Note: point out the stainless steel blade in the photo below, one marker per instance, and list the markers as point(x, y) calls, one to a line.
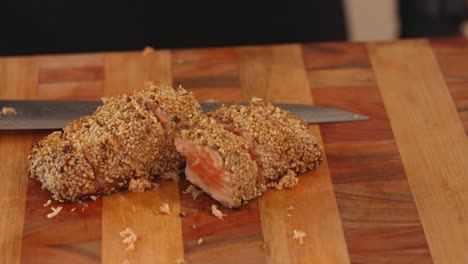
point(57, 114)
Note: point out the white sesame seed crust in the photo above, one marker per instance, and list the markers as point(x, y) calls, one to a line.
point(127, 137)
point(206, 132)
point(281, 143)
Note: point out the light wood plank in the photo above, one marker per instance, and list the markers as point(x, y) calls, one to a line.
point(160, 236)
point(431, 140)
point(18, 78)
point(277, 74)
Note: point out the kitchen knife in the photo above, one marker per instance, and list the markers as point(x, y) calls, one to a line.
point(32, 114)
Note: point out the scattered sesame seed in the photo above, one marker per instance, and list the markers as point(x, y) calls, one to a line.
point(216, 212)
point(164, 208)
point(55, 212)
point(47, 203)
point(8, 111)
point(129, 237)
point(299, 235)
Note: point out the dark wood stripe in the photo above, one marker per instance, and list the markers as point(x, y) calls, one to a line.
point(450, 54)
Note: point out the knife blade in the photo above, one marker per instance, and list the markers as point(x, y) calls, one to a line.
point(32, 114)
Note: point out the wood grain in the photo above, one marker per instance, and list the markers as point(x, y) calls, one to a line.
point(63, 77)
point(239, 238)
point(277, 74)
point(431, 140)
point(68, 236)
point(17, 81)
point(160, 237)
point(379, 215)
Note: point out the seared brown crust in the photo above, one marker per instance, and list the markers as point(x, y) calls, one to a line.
point(123, 139)
point(206, 132)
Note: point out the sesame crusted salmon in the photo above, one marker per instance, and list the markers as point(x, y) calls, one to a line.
point(128, 137)
point(218, 161)
point(234, 153)
point(281, 144)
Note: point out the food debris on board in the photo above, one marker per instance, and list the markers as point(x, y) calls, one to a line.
point(129, 237)
point(164, 208)
point(290, 208)
point(55, 212)
point(139, 185)
point(194, 191)
point(171, 175)
point(181, 261)
point(216, 212)
point(8, 111)
point(299, 235)
point(200, 240)
point(47, 203)
point(134, 208)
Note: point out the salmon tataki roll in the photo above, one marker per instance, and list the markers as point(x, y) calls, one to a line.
point(219, 162)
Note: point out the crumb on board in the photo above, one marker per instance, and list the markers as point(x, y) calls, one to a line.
point(134, 208)
point(147, 51)
point(194, 226)
point(47, 203)
point(171, 175)
point(299, 235)
point(182, 214)
point(55, 212)
point(290, 208)
point(93, 197)
point(200, 240)
point(181, 261)
point(287, 181)
point(129, 237)
point(194, 191)
point(82, 209)
point(139, 185)
point(164, 208)
point(211, 100)
point(73, 209)
point(216, 212)
point(8, 111)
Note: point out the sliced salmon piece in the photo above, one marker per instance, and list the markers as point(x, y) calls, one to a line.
point(265, 140)
point(218, 162)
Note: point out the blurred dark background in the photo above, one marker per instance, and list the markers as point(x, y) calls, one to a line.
point(52, 26)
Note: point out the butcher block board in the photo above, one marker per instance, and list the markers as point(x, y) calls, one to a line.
point(392, 189)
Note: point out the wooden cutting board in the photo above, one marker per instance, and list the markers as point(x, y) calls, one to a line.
point(392, 189)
